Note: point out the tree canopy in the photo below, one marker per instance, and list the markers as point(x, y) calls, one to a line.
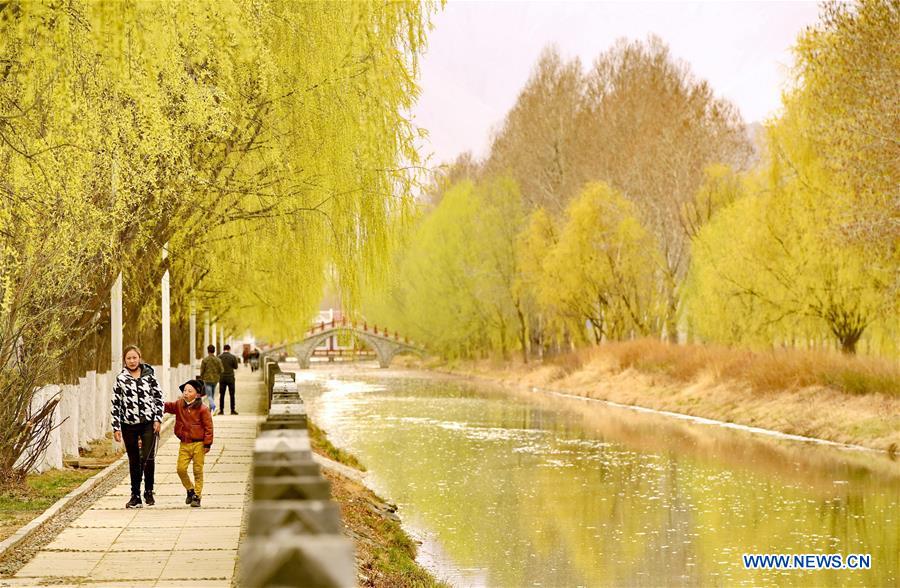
point(265, 142)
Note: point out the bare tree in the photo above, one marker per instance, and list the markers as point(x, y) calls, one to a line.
point(538, 142)
point(464, 167)
point(652, 128)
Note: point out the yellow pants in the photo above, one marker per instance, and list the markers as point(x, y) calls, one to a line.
point(186, 453)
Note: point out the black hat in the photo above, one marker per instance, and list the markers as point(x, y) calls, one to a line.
point(196, 385)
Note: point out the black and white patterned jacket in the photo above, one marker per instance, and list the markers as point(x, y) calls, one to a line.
point(136, 400)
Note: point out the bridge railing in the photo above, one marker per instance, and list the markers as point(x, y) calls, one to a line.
point(322, 326)
point(294, 528)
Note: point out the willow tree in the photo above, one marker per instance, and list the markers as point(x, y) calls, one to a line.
point(499, 222)
point(602, 272)
point(535, 241)
point(301, 186)
point(846, 77)
point(456, 284)
point(434, 294)
point(262, 141)
point(768, 268)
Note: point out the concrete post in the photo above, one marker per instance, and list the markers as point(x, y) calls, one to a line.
point(320, 560)
point(297, 517)
point(165, 380)
point(68, 410)
point(89, 425)
point(215, 337)
point(115, 303)
point(205, 333)
point(115, 306)
point(193, 338)
point(52, 458)
point(103, 402)
point(116, 325)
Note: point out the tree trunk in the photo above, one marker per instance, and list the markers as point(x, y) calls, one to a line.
point(523, 334)
point(848, 343)
point(672, 314)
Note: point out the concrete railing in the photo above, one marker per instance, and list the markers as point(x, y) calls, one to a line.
point(83, 412)
point(294, 528)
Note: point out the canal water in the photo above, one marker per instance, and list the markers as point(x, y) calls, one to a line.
point(525, 489)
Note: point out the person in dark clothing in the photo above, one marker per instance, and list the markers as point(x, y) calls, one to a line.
point(226, 380)
point(137, 412)
point(210, 372)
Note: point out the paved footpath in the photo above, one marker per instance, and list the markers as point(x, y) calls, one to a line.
point(170, 544)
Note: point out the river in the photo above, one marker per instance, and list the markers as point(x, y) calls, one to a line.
point(525, 489)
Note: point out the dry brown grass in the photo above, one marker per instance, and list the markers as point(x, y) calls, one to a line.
point(764, 371)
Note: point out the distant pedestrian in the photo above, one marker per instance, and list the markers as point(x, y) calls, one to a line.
point(137, 411)
point(229, 364)
point(245, 354)
point(210, 372)
point(194, 428)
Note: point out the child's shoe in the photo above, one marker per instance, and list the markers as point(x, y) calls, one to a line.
point(190, 496)
point(135, 502)
point(195, 501)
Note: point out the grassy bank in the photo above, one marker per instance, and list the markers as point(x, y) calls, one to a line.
point(825, 395)
point(386, 555)
point(22, 503)
point(323, 446)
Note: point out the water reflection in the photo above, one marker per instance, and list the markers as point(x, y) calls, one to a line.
point(530, 490)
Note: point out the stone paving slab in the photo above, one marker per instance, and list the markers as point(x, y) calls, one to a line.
point(115, 518)
point(131, 565)
point(225, 468)
point(85, 539)
point(210, 501)
point(213, 538)
point(170, 544)
point(67, 564)
point(210, 478)
point(143, 539)
point(201, 564)
point(155, 519)
point(178, 490)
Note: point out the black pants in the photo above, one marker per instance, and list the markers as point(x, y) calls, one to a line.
point(137, 458)
point(226, 385)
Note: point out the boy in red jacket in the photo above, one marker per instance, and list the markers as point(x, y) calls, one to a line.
point(194, 427)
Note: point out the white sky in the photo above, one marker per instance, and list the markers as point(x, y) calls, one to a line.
point(480, 54)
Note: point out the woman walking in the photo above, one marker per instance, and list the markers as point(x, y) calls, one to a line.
point(137, 411)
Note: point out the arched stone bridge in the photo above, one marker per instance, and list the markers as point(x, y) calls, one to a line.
point(385, 345)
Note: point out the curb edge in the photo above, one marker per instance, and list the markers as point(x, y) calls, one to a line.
point(28, 528)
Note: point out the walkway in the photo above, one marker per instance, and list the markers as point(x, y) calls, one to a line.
point(170, 544)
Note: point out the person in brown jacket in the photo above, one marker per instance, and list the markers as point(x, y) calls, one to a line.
point(194, 428)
